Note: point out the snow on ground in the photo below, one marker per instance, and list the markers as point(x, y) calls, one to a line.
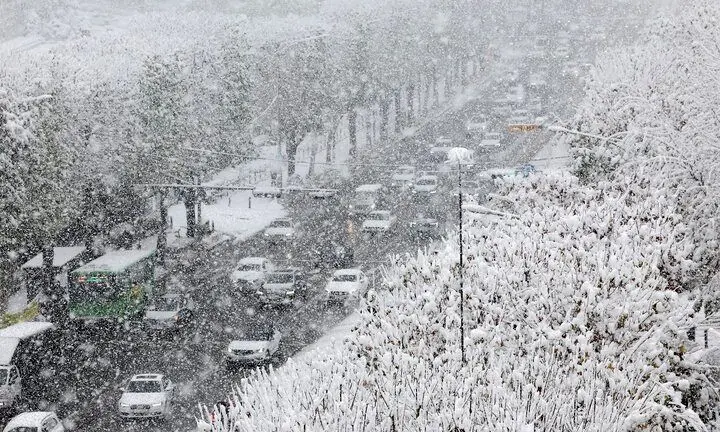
point(330, 341)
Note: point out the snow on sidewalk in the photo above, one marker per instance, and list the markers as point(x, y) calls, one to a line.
point(330, 341)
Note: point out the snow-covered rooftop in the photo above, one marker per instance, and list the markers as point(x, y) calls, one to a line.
point(116, 261)
point(25, 329)
point(61, 256)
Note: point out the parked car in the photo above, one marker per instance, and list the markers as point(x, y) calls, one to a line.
point(35, 421)
point(346, 284)
point(173, 311)
point(250, 273)
point(267, 191)
point(147, 396)
point(379, 221)
point(280, 229)
point(282, 286)
point(257, 345)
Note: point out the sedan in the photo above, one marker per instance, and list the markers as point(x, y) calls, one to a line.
point(258, 345)
point(147, 396)
point(379, 221)
point(280, 229)
point(172, 311)
point(346, 284)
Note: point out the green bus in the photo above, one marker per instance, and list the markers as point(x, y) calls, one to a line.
point(115, 286)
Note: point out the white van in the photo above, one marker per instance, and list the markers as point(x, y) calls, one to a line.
point(24, 347)
point(366, 198)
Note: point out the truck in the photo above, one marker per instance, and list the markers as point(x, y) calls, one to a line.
point(26, 350)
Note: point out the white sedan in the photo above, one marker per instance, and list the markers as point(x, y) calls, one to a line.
point(379, 221)
point(146, 396)
point(257, 345)
point(280, 229)
point(345, 284)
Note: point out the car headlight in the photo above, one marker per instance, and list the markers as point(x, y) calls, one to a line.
point(155, 405)
point(289, 293)
point(124, 405)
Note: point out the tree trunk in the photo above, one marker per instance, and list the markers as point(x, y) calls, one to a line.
point(190, 212)
point(291, 148)
point(352, 131)
point(410, 102)
point(384, 118)
point(330, 147)
point(463, 72)
point(448, 83)
point(398, 110)
point(436, 92)
point(162, 233)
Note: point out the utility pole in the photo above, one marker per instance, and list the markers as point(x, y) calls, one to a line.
point(162, 230)
point(462, 294)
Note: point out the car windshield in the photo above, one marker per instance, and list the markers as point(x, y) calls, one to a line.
point(405, 170)
point(250, 267)
point(258, 333)
point(279, 278)
point(24, 429)
point(426, 182)
point(378, 216)
point(166, 303)
point(144, 387)
point(281, 224)
point(345, 278)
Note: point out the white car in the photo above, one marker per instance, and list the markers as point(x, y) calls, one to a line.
point(378, 221)
point(250, 273)
point(35, 421)
point(257, 345)
point(403, 177)
point(281, 286)
point(426, 184)
point(147, 395)
point(280, 229)
point(173, 311)
point(345, 284)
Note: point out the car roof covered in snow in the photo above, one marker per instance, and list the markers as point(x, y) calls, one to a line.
point(252, 260)
point(369, 187)
point(29, 419)
point(347, 272)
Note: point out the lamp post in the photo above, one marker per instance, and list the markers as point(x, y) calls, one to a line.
point(462, 294)
point(461, 156)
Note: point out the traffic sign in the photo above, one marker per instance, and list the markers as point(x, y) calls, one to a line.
point(523, 127)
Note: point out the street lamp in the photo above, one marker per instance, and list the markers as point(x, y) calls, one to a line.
point(461, 156)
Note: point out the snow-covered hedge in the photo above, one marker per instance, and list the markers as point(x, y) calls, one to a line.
point(576, 311)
